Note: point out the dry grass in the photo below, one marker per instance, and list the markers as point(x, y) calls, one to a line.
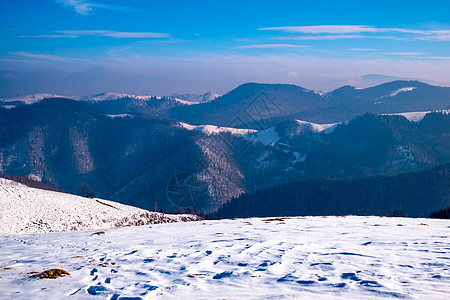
point(52, 274)
point(273, 219)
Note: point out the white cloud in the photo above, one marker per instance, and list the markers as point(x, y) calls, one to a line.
point(106, 33)
point(80, 6)
point(269, 46)
point(330, 29)
point(84, 8)
point(201, 72)
point(293, 74)
point(403, 53)
point(321, 37)
point(48, 57)
point(362, 49)
point(332, 32)
point(439, 57)
point(51, 36)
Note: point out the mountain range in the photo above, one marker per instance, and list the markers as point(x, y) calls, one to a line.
point(182, 152)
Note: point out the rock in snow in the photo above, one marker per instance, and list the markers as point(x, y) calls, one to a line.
point(29, 210)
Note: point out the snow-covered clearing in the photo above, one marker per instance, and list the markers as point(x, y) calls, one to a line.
point(33, 98)
point(299, 258)
point(395, 93)
point(28, 210)
point(318, 127)
point(212, 129)
point(417, 116)
point(402, 90)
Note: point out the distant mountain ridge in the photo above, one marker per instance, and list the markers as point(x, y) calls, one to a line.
point(108, 96)
point(134, 151)
point(259, 106)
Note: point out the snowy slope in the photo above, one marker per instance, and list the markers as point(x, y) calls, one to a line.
point(184, 102)
point(114, 96)
point(295, 258)
point(33, 98)
point(212, 129)
point(418, 115)
point(28, 210)
point(270, 135)
point(267, 136)
point(402, 90)
point(394, 93)
point(190, 99)
point(317, 127)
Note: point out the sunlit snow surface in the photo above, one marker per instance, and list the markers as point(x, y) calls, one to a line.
point(302, 258)
point(29, 210)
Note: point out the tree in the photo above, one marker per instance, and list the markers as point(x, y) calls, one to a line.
point(85, 191)
point(155, 206)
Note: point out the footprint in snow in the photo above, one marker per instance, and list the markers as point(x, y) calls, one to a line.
point(369, 283)
point(223, 275)
point(351, 276)
point(97, 290)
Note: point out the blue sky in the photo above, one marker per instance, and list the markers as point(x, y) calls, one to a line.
point(83, 47)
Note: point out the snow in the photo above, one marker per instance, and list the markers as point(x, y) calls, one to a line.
point(8, 106)
point(190, 99)
point(212, 129)
point(299, 258)
point(33, 98)
point(418, 115)
point(184, 102)
point(394, 93)
point(29, 210)
point(317, 127)
point(119, 116)
point(268, 136)
point(402, 90)
point(320, 93)
point(114, 96)
point(186, 99)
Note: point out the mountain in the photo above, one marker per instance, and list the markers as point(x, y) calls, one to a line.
point(368, 145)
point(259, 106)
point(108, 96)
point(30, 210)
point(118, 103)
point(129, 150)
point(30, 99)
point(127, 158)
point(369, 80)
point(196, 98)
point(413, 195)
point(251, 104)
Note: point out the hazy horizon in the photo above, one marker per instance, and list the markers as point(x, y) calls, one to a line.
point(84, 47)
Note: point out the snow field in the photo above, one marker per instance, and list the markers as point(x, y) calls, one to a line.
point(29, 210)
point(301, 258)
